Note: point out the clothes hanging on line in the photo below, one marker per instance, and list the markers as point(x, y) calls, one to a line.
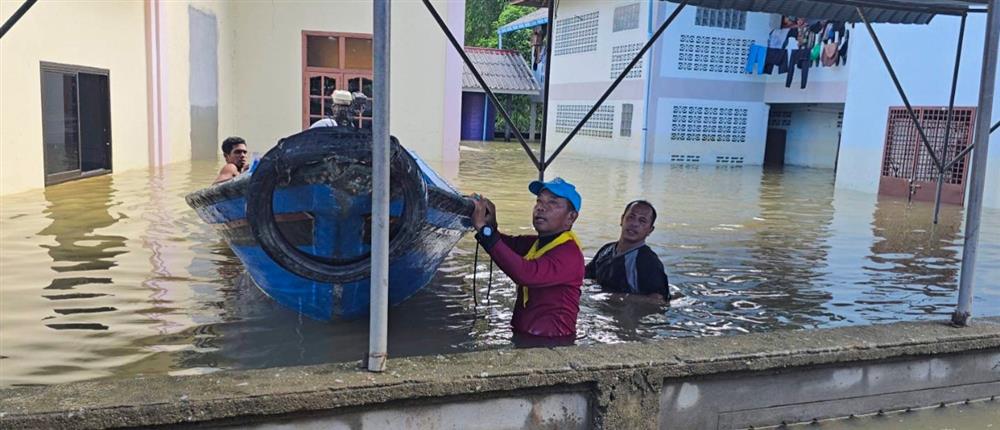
point(756, 56)
point(800, 58)
point(778, 38)
point(831, 54)
point(776, 57)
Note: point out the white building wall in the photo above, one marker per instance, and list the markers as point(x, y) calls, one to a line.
point(579, 79)
point(719, 83)
point(923, 58)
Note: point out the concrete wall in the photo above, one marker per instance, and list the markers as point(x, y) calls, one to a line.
point(676, 86)
point(760, 380)
point(268, 69)
point(98, 34)
point(580, 78)
point(923, 58)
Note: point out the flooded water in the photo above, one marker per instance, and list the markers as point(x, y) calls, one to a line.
point(115, 276)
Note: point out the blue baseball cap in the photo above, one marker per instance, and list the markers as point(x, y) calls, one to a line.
point(559, 187)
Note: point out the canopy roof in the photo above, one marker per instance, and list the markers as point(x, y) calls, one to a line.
point(536, 18)
point(887, 11)
point(505, 71)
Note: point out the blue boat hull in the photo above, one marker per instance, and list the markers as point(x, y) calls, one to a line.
point(322, 220)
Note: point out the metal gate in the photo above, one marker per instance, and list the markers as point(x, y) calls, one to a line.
point(907, 168)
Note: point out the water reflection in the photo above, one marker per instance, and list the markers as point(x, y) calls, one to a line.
point(114, 276)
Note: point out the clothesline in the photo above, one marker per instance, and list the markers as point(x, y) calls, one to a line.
point(816, 43)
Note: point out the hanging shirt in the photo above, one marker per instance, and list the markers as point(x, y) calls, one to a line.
point(777, 38)
point(636, 271)
point(548, 272)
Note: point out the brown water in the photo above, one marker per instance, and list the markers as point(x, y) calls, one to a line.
point(115, 276)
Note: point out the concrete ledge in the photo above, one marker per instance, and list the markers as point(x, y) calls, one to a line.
point(638, 385)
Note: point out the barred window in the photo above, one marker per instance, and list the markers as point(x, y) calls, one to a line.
point(621, 55)
point(576, 34)
point(713, 54)
point(721, 18)
point(779, 119)
point(600, 124)
point(626, 17)
point(709, 124)
point(626, 129)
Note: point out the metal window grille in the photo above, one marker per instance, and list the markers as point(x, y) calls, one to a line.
point(576, 34)
point(601, 124)
point(684, 158)
point(906, 157)
point(709, 124)
point(626, 17)
point(721, 18)
point(626, 129)
point(621, 55)
point(779, 119)
point(713, 54)
point(728, 159)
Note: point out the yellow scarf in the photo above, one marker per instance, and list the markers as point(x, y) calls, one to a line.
point(535, 253)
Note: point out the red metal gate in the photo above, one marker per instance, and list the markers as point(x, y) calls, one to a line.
point(907, 168)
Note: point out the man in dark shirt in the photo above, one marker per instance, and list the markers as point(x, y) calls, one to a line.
point(628, 265)
point(547, 267)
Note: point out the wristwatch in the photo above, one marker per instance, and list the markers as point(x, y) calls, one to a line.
point(487, 231)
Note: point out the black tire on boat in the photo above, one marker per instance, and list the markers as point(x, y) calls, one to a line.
point(324, 145)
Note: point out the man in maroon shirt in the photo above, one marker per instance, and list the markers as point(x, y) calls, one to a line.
point(548, 268)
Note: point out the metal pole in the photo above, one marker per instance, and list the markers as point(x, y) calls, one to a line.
point(902, 94)
point(621, 77)
point(379, 324)
point(995, 127)
point(947, 126)
point(549, 35)
point(7, 25)
point(984, 112)
point(479, 78)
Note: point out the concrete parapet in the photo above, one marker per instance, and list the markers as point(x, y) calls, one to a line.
point(718, 382)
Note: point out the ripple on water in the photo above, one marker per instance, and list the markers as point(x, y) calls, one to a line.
point(115, 276)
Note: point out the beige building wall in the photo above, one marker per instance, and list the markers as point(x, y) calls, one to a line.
point(267, 100)
point(98, 34)
point(258, 66)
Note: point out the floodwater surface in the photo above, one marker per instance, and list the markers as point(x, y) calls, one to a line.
point(115, 276)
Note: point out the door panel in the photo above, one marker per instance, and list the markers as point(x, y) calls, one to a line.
point(95, 123)
point(60, 125)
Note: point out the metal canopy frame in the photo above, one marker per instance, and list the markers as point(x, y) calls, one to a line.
point(865, 11)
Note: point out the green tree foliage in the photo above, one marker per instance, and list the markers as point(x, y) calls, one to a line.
point(482, 19)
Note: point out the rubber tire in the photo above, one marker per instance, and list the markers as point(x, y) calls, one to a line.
point(319, 146)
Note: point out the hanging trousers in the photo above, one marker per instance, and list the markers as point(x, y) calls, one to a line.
point(776, 57)
point(799, 57)
point(756, 56)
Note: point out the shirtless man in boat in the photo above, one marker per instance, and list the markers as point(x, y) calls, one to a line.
point(547, 268)
point(235, 151)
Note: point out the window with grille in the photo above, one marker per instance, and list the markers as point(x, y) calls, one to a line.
point(601, 124)
point(728, 159)
point(709, 124)
point(906, 156)
point(621, 55)
point(576, 34)
point(721, 18)
point(685, 158)
point(626, 130)
point(779, 119)
point(713, 54)
point(626, 17)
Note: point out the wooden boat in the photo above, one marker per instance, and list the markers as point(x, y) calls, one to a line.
point(300, 221)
